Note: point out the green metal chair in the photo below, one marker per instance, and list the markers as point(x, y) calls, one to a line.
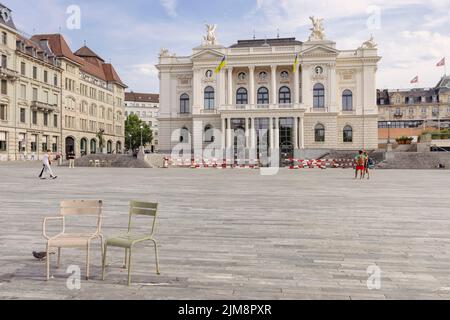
point(129, 240)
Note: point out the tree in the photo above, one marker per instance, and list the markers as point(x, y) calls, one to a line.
point(133, 132)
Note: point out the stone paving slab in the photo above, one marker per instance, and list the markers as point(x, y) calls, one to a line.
point(234, 234)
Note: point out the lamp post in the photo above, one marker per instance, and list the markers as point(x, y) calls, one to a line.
point(142, 140)
point(131, 142)
point(389, 132)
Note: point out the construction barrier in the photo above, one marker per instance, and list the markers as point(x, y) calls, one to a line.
point(292, 164)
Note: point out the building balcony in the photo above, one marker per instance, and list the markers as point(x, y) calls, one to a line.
point(42, 106)
point(247, 107)
point(8, 74)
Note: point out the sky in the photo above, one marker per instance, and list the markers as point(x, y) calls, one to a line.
point(412, 35)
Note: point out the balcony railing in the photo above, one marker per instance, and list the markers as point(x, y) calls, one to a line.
point(238, 107)
point(42, 106)
point(8, 74)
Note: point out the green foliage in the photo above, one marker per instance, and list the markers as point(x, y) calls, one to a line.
point(133, 128)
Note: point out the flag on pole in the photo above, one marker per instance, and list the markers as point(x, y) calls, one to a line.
point(441, 63)
point(415, 80)
point(222, 64)
point(295, 67)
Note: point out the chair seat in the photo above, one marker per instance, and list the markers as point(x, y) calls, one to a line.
point(71, 240)
point(127, 240)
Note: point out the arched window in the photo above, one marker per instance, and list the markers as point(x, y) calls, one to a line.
point(93, 146)
point(184, 103)
point(209, 134)
point(348, 134)
point(83, 146)
point(285, 95)
point(263, 95)
point(347, 100)
point(209, 98)
point(109, 147)
point(184, 135)
point(241, 96)
point(319, 133)
point(319, 96)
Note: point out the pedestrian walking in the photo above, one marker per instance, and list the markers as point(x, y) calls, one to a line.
point(46, 163)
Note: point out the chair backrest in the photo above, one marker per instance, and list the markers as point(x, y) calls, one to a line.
point(139, 208)
point(86, 208)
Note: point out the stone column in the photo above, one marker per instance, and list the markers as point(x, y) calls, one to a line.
point(271, 133)
point(277, 134)
point(252, 85)
point(229, 131)
point(302, 133)
point(230, 86)
point(254, 133)
point(247, 133)
point(224, 136)
point(274, 84)
point(295, 133)
point(222, 93)
point(297, 87)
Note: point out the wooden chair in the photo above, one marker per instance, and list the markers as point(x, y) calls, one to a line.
point(129, 240)
point(85, 208)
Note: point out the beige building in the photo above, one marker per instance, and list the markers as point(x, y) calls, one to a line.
point(327, 103)
point(52, 98)
point(409, 112)
point(146, 107)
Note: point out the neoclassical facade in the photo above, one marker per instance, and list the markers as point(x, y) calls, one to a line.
point(327, 101)
point(56, 99)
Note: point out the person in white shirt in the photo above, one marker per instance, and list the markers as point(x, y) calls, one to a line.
point(46, 162)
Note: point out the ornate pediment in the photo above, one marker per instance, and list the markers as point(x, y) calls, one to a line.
point(207, 54)
point(320, 50)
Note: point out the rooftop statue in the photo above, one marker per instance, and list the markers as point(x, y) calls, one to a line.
point(369, 44)
point(318, 31)
point(210, 39)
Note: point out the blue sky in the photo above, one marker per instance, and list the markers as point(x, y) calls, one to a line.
point(413, 35)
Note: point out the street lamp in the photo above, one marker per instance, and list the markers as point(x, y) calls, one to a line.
point(131, 146)
point(389, 132)
point(142, 143)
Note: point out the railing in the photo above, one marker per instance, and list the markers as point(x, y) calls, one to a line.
point(238, 107)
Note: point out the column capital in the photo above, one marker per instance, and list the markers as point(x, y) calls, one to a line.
point(251, 68)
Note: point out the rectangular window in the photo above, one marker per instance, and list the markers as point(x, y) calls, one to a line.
point(34, 117)
point(35, 94)
point(23, 68)
point(44, 143)
point(55, 80)
point(4, 87)
point(23, 115)
point(55, 144)
point(55, 120)
point(46, 98)
point(2, 141)
point(33, 143)
point(45, 76)
point(35, 73)
point(4, 61)
point(46, 119)
point(3, 112)
point(4, 38)
point(23, 91)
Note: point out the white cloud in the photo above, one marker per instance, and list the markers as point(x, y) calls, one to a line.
point(170, 6)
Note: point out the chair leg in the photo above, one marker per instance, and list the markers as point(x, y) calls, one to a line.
point(48, 263)
point(104, 261)
point(129, 266)
point(156, 257)
point(59, 258)
point(87, 260)
point(125, 263)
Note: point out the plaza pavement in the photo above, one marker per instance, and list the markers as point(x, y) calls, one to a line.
point(234, 234)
